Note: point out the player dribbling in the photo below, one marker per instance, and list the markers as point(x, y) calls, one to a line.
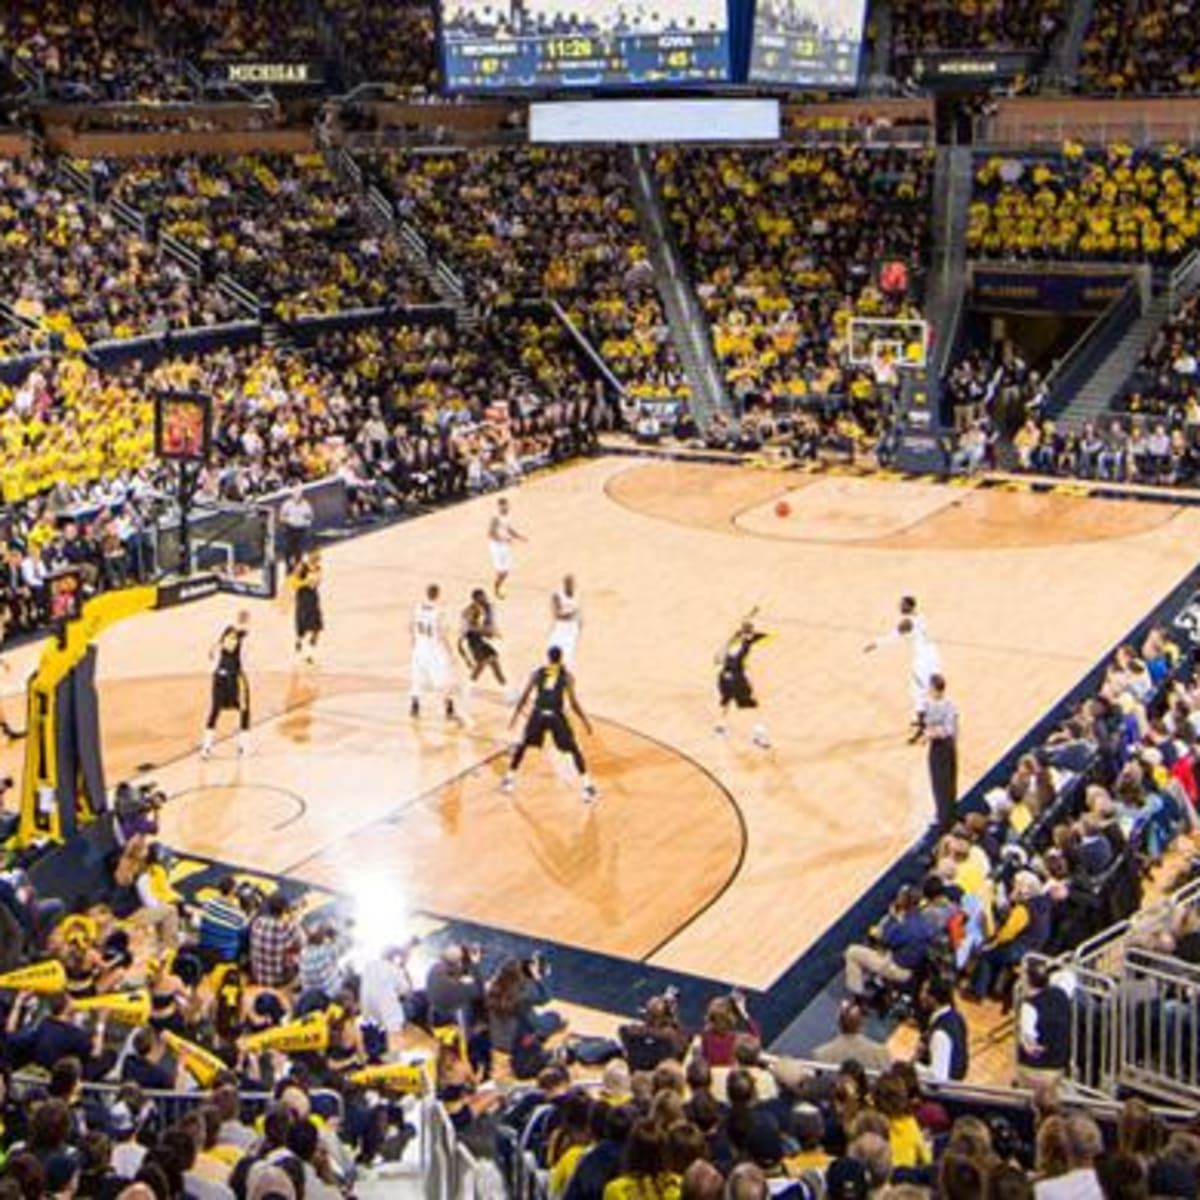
point(476, 643)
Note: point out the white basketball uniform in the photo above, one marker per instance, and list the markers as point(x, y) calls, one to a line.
point(500, 540)
point(430, 668)
point(926, 661)
point(567, 625)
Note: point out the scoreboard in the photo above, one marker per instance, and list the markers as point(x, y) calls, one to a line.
point(586, 61)
point(807, 43)
point(680, 42)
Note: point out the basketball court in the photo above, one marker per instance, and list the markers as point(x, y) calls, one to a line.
point(704, 856)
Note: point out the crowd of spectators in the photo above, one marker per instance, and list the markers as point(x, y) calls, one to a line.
point(403, 415)
point(1122, 203)
point(388, 41)
point(1059, 853)
point(994, 383)
point(546, 222)
point(1133, 48)
point(283, 226)
point(80, 275)
point(666, 1109)
point(205, 32)
point(920, 26)
point(1165, 382)
point(88, 50)
point(786, 245)
point(117, 51)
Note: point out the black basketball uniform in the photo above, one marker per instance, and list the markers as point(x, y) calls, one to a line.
point(309, 621)
point(733, 684)
point(548, 716)
point(229, 686)
point(479, 627)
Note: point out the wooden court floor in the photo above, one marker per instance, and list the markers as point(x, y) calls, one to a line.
point(704, 855)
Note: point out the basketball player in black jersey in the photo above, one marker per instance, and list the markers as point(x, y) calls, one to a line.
point(309, 622)
point(229, 686)
point(476, 643)
point(733, 684)
point(552, 688)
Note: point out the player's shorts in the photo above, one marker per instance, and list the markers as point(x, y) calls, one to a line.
point(229, 691)
point(430, 669)
point(308, 613)
point(502, 559)
point(556, 725)
point(479, 649)
point(734, 688)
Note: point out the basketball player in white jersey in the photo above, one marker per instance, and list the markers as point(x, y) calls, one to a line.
point(568, 620)
point(501, 536)
point(430, 668)
point(926, 661)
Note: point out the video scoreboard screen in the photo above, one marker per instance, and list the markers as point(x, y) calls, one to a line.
point(552, 45)
point(807, 43)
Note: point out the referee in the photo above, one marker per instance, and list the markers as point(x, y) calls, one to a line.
point(941, 728)
point(295, 521)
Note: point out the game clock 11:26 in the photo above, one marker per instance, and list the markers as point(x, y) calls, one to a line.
point(570, 48)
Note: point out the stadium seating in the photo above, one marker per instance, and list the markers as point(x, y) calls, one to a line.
point(284, 227)
point(1123, 204)
point(970, 25)
point(92, 50)
point(388, 42)
point(1136, 48)
point(527, 223)
point(80, 274)
point(205, 33)
point(786, 245)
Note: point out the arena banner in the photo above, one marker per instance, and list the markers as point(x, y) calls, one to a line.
point(1037, 290)
point(966, 69)
point(182, 591)
point(273, 74)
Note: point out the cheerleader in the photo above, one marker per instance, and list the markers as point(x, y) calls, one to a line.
point(306, 580)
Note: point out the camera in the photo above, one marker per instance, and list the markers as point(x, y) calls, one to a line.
point(536, 965)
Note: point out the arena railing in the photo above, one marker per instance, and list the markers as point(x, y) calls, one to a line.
point(169, 1106)
point(151, 348)
point(1119, 991)
point(1184, 279)
point(1160, 1026)
point(1027, 123)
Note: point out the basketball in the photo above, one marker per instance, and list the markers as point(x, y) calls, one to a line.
point(783, 510)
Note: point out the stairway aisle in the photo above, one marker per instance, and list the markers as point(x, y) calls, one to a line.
point(689, 328)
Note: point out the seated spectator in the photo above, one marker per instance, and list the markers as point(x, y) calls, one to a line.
point(852, 1043)
point(903, 939)
point(725, 1019)
point(656, 1037)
